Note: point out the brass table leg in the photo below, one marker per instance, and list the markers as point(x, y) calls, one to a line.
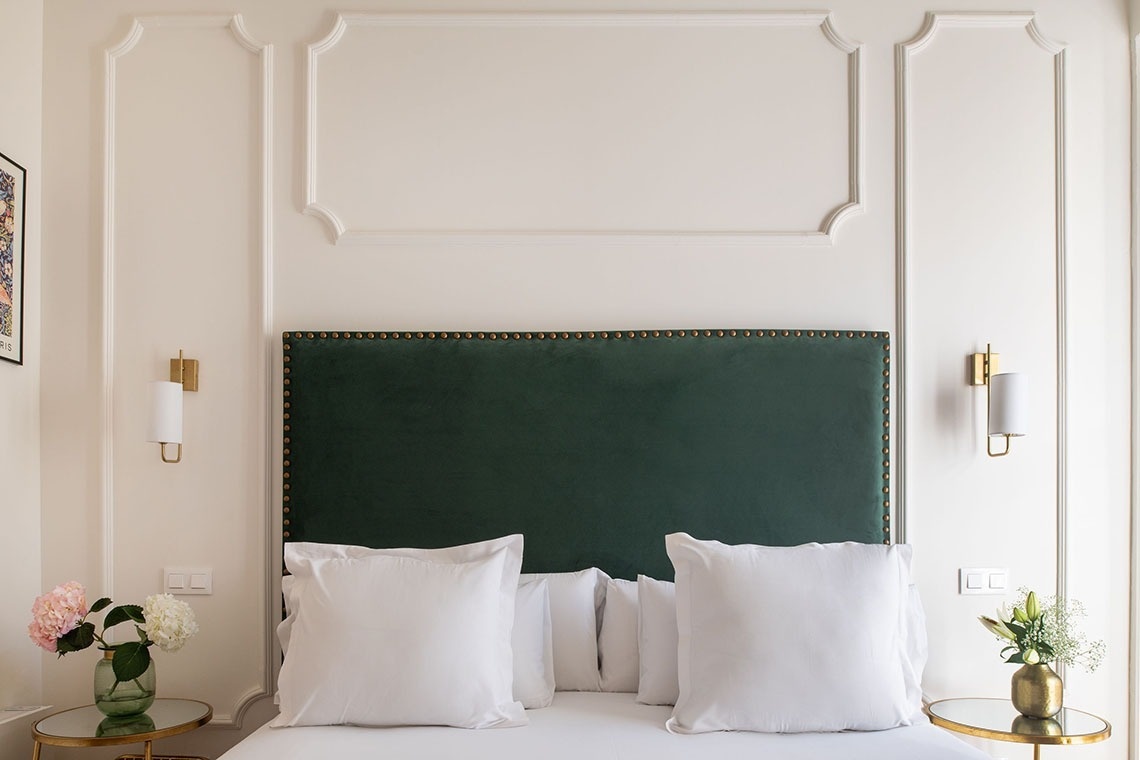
point(146, 750)
point(36, 751)
point(1036, 752)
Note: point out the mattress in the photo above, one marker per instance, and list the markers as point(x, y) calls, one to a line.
point(599, 726)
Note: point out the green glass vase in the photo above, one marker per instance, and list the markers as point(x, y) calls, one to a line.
point(119, 698)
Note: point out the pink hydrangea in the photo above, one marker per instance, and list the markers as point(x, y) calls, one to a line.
point(57, 612)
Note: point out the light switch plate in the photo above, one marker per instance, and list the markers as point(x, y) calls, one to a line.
point(992, 581)
point(187, 580)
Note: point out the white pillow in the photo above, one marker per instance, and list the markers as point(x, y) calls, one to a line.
point(389, 641)
point(533, 647)
point(300, 551)
point(657, 641)
point(790, 639)
point(575, 600)
point(617, 643)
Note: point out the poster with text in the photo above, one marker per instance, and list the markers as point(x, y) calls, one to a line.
point(13, 217)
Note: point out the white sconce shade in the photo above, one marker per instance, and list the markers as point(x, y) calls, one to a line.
point(1009, 404)
point(165, 425)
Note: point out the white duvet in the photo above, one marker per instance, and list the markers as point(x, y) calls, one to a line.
point(598, 726)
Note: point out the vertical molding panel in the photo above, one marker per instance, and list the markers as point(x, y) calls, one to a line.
point(904, 53)
point(637, 24)
point(1134, 493)
point(991, 241)
point(260, 275)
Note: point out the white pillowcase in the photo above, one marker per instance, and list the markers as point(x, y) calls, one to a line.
point(430, 645)
point(617, 643)
point(575, 601)
point(657, 641)
point(300, 551)
point(791, 639)
point(533, 646)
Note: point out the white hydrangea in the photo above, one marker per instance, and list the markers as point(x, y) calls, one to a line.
point(169, 621)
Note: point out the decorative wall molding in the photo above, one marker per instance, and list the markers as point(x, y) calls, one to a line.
point(904, 52)
point(1134, 503)
point(823, 235)
point(264, 51)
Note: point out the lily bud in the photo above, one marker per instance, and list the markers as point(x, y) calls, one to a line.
point(1020, 615)
point(1031, 657)
point(1032, 609)
point(997, 628)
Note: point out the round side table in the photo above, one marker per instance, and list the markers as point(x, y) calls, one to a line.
point(87, 727)
point(997, 719)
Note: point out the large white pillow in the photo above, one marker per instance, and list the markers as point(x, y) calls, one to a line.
point(533, 646)
point(300, 551)
point(401, 640)
point(575, 601)
point(657, 641)
point(617, 643)
point(790, 639)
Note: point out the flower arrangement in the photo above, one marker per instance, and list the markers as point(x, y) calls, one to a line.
point(1044, 631)
point(59, 624)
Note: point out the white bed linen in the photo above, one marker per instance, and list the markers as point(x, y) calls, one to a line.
point(598, 726)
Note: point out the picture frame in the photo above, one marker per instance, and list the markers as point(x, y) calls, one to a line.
point(13, 222)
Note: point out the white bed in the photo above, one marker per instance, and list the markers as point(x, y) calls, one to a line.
point(444, 655)
point(599, 726)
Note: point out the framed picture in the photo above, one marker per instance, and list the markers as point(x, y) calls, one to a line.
point(13, 217)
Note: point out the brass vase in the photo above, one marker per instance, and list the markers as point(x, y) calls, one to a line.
point(1036, 691)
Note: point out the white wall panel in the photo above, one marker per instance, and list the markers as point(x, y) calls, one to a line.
point(981, 174)
point(185, 262)
point(20, 516)
point(729, 125)
point(479, 235)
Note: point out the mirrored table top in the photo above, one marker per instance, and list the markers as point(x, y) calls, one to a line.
point(87, 727)
point(997, 719)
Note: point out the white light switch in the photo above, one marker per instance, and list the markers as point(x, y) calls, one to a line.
point(983, 580)
point(188, 580)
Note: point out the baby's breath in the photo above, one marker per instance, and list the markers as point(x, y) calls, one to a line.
point(1045, 630)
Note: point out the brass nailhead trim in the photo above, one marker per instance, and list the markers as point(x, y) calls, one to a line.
point(592, 335)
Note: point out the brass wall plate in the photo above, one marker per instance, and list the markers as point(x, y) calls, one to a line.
point(188, 375)
point(978, 368)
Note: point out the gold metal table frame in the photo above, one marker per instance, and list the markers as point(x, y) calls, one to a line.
point(197, 714)
point(1021, 730)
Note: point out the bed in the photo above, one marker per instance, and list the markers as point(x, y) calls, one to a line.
point(603, 451)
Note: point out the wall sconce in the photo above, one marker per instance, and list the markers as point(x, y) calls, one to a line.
point(166, 406)
point(1007, 399)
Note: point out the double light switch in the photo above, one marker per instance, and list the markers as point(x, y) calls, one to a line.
point(983, 580)
point(188, 580)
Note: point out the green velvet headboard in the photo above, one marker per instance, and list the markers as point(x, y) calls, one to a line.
point(593, 445)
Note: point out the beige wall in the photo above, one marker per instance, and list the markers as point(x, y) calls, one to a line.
point(508, 181)
point(20, 140)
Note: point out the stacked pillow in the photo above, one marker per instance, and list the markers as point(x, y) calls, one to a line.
point(791, 639)
point(384, 637)
point(818, 637)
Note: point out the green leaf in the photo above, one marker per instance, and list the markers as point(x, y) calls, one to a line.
point(130, 661)
point(77, 638)
point(122, 614)
point(1016, 659)
point(1016, 628)
point(101, 604)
